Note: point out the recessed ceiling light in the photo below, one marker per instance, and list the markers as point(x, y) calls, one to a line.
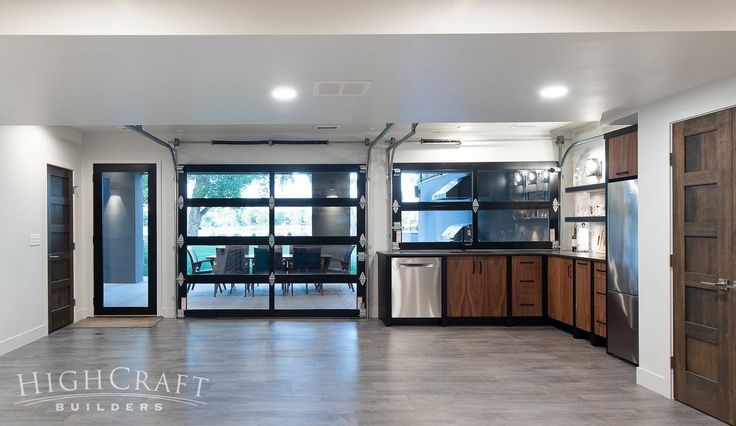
point(553, 92)
point(284, 93)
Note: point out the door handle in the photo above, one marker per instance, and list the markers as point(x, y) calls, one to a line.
point(722, 284)
point(54, 257)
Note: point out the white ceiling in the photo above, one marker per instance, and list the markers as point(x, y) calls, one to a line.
point(484, 132)
point(323, 17)
point(221, 80)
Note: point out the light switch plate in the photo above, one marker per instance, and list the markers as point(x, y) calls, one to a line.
point(34, 240)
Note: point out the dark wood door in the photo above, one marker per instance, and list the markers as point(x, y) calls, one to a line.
point(526, 286)
point(493, 281)
point(461, 272)
point(703, 225)
point(622, 156)
point(582, 295)
point(60, 247)
point(559, 289)
point(476, 286)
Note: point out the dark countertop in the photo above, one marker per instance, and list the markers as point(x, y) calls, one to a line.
point(497, 252)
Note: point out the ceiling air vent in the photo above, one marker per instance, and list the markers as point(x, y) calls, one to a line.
point(326, 127)
point(341, 88)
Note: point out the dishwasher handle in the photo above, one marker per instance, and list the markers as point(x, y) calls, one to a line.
point(416, 265)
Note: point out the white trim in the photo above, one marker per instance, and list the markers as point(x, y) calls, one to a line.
point(653, 382)
point(167, 312)
point(23, 338)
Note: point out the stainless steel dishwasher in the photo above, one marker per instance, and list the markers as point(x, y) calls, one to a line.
point(416, 287)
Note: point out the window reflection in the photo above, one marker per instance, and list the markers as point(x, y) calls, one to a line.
point(428, 186)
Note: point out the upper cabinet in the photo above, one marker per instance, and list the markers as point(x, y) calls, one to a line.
point(622, 155)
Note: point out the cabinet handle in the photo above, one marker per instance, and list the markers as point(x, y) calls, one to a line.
point(569, 270)
point(480, 267)
point(526, 281)
point(474, 266)
point(599, 293)
point(622, 172)
point(527, 262)
point(600, 322)
point(527, 304)
point(600, 270)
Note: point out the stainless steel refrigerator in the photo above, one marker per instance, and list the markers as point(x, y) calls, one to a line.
point(623, 270)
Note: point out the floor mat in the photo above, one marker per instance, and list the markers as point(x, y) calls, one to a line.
point(118, 322)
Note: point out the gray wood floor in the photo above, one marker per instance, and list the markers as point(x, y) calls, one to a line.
point(310, 372)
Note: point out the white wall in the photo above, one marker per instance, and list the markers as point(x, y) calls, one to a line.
point(655, 224)
point(25, 152)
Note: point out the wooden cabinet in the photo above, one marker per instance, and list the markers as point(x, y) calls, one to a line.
point(476, 286)
point(560, 289)
point(526, 286)
point(582, 295)
point(599, 298)
point(622, 156)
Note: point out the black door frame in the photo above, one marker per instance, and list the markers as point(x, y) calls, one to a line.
point(99, 308)
point(271, 170)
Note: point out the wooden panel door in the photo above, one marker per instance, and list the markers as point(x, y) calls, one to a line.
point(622, 156)
point(703, 226)
point(599, 298)
point(582, 295)
point(526, 286)
point(462, 287)
point(60, 247)
point(559, 289)
point(493, 278)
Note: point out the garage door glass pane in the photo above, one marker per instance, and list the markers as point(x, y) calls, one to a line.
point(432, 226)
point(436, 186)
point(227, 221)
point(228, 185)
point(316, 185)
point(513, 225)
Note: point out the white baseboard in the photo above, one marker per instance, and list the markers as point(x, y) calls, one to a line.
point(168, 312)
point(80, 314)
point(654, 382)
point(22, 339)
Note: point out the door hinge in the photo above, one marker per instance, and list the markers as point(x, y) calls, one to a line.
point(74, 245)
point(672, 159)
point(74, 302)
point(672, 362)
point(672, 260)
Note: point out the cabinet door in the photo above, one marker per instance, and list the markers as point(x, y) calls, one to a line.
point(493, 280)
point(599, 298)
point(622, 156)
point(582, 295)
point(559, 289)
point(526, 286)
point(462, 288)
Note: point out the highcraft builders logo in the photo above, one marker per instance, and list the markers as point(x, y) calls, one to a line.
point(117, 389)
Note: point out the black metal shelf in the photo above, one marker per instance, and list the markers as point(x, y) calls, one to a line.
point(584, 188)
point(585, 219)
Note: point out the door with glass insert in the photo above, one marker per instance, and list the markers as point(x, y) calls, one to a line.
point(125, 239)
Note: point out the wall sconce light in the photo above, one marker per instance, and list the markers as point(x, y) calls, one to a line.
point(531, 177)
point(592, 167)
